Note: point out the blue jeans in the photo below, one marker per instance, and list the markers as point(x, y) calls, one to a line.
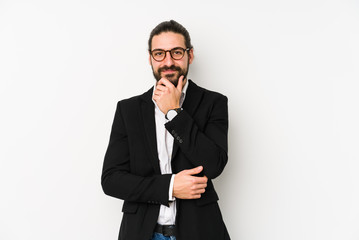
point(159, 236)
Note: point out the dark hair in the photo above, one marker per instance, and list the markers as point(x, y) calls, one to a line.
point(170, 26)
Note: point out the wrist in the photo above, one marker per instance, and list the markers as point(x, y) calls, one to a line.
point(173, 113)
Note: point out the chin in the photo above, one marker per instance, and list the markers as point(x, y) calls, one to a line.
point(172, 78)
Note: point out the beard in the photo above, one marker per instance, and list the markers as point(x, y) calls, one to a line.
point(173, 77)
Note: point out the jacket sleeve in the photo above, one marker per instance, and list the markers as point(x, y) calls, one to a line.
point(117, 178)
point(207, 147)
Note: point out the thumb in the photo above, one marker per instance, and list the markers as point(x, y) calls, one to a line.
point(180, 83)
point(194, 171)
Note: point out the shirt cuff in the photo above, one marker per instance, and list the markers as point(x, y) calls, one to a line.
point(170, 191)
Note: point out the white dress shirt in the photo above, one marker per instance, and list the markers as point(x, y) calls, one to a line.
point(167, 215)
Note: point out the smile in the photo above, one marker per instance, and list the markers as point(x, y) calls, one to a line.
point(168, 71)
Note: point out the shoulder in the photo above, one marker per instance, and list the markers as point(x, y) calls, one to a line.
point(135, 100)
point(209, 94)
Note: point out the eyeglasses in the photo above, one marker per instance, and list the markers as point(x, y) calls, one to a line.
point(176, 53)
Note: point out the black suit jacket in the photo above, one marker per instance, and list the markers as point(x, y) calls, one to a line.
point(131, 168)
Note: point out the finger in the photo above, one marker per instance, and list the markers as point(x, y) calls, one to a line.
point(157, 93)
point(161, 88)
point(161, 82)
point(180, 83)
point(196, 196)
point(165, 82)
point(200, 180)
point(199, 191)
point(194, 171)
point(199, 186)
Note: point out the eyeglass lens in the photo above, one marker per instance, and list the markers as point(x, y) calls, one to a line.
point(176, 53)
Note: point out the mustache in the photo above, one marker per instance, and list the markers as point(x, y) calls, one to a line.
point(173, 68)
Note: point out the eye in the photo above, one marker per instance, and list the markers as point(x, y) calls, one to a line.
point(158, 53)
point(177, 52)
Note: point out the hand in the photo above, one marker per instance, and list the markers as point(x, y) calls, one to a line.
point(187, 186)
point(166, 95)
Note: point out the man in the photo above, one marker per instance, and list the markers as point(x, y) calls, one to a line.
point(165, 148)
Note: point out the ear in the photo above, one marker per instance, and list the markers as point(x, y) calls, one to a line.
point(149, 58)
point(190, 55)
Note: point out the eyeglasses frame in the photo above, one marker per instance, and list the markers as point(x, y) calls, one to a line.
point(185, 50)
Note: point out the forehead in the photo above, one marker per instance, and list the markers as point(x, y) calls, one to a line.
point(168, 40)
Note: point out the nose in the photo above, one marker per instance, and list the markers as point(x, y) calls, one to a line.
point(168, 61)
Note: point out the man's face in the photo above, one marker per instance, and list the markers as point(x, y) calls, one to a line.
point(170, 68)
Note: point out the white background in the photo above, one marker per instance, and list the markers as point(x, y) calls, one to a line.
point(289, 69)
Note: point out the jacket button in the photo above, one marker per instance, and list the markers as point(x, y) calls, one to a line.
point(180, 141)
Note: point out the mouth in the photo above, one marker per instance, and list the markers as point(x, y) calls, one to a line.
point(169, 71)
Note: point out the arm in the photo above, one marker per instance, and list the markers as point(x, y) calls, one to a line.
point(207, 148)
point(117, 178)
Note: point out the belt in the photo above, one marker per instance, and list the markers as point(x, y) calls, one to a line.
point(165, 230)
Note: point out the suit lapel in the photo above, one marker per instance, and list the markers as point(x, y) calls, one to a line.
point(149, 123)
point(193, 98)
point(190, 104)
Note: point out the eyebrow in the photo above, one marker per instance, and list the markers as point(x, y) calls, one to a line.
point(168, 49)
